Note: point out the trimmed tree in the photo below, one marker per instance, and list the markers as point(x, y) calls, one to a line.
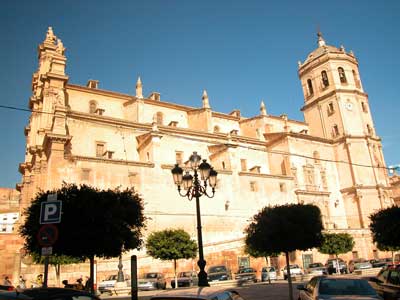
point(385, 229)
point(171, 244)
point(285, 229)
point(335, 244)
point(102, 223)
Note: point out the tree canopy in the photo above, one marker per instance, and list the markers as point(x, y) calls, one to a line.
point(284, 228)
point(102, 223)
point(171, 244)
point(336, 243)
point(385, 228)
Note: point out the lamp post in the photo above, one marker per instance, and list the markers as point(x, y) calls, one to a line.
point(194, 188)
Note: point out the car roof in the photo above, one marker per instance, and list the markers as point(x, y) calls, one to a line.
point(207, 292)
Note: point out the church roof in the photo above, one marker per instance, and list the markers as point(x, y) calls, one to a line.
point(322, 49)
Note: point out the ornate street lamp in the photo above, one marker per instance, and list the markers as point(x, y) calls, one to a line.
point(194, 188)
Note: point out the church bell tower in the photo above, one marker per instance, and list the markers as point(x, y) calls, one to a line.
point(336, 109)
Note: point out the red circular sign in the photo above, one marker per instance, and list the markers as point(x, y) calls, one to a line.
point(47, 235)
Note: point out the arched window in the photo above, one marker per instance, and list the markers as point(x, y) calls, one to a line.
point(335, 131)
point(356, 79)
point(159, 118)
point(92, 107)
point(310, 87)
point(316, 157)
point(369, 129)
point(216, 129)
point(342, 75)
point(325, 80)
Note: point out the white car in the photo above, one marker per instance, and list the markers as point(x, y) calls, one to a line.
point(294, 270)
point(108, 284)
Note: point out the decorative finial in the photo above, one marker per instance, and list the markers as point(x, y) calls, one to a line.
point(299, 63)
point(342, 48)
point(321, 41)
point(60, 47)
point(50, 37)
point(206, 104)
point(351, 53)
point(139, 90)
point(263, 111)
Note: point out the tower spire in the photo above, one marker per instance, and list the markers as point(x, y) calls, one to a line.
point(206, 104)
point(263, 110)
point(321, 41)
point(139, 90)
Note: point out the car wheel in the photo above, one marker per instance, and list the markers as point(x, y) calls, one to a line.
point(165, 286)
point(284, 277)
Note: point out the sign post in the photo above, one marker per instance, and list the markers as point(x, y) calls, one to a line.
point(50, 213)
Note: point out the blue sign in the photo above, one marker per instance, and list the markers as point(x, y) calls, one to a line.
point(50, 212)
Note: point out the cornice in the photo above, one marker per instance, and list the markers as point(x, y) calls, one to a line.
point(109, 161)
point(330, 94)
point(85, 89)
point(55, 75)
point(170, 167)
point(281, 135)
point(275, 176)
point(357, 188)
point(244, 120)
point(323, 58)
point(225, 116)
point(312, 193)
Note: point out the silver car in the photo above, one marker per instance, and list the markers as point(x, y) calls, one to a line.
point(268, 274)
point(199, 293)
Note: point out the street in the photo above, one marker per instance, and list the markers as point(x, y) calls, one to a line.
point(278, 290)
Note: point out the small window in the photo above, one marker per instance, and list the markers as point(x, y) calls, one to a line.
point(335, 131)
point(243, 164)
point(325, 80)
point(253, 186)
point(133, 178)
point(355, 254)
point(159, 118)
point(316, 157)
point(282, 187)
point(331, 108)
point(223, 165)
point(364, 107)
point(179, 157)
point(92, 107)
point(356, 79)
point(85, 175)
point(369, 129)
point(310, 87)
point(342, 75)
point(100, 149)
point(216, 129)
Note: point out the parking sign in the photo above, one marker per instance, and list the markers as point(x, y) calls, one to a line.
point(50, 212)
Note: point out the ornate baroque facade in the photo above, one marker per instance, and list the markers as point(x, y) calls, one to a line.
point(333, 159)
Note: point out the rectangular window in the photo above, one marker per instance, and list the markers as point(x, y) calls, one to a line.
point(243, 164)
point(364, 107)
point(335, 131)
point(282, 187)
point(100, 149)
point(253, 186)
point(331, 108)
point(85, 175)
point(179, 157)
point(355, 254)
point(133, 178)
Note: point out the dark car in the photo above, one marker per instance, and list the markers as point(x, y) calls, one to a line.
point(331, 266)
point(188, 278)
point(6, 287)
point(48, 294)
point(152, 281)
point(218, 273)
point(387, 282)
point(246, 274)
point(199, 293)
point(334, 287)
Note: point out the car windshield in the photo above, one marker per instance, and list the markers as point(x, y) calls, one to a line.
point(345, 287)
point(112, 277)
point(185, 274)
point(216, 269)
point(246, 270)
point(292, 267)
point(315, 265)
point(150, 275)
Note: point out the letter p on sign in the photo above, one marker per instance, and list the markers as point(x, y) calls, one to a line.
point(50, 212)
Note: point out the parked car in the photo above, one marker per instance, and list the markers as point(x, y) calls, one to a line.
point(218, 273)
point(333, 287)
point(48, 294)
point(387, 282)
point(246, 274)
point(359, 264)
point(152, 281)
point(331, 266)
point(294, 270)
point(187, 278)
point(268, 273)
point(108, 284)
point(6, 287)
point(316, 268)
point(199, 293)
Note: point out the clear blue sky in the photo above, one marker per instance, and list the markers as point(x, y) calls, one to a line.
point(240, 51)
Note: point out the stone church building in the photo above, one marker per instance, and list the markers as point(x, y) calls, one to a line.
point(333, 159)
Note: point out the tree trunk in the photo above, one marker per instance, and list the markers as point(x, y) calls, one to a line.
point(288, 276)
point(176, 278)
point(268, 262)
point(392, 257)
point(57, 268)
point(337, 265)
point(91, 283)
